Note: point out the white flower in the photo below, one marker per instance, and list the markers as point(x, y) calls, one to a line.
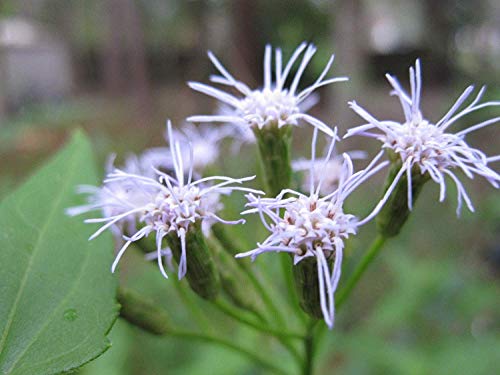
point(427, 145)
point(115, 198)
point(175, 204)
point(329, 171)
point(204, 146)
point(275, 104)
point(239, 132)
point(313, 226)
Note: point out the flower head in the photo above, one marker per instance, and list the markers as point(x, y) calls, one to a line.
point(275, 104)
point(420, 143)
point(329, 172)
point(239, 132)
point(313, 226)
point(204, 146)
point(175, 204)
point(115, 198)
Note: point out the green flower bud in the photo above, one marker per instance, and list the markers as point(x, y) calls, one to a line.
point(395, 212)
point(274, 149)
point(142, 312)
point(201, 272)
point(305, 275)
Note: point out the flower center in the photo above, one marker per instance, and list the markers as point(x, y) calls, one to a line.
point(268, 107)
point(310, 221)
point(423, 142)
point(180, 209)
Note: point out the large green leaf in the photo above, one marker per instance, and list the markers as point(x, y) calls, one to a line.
point(57, 295)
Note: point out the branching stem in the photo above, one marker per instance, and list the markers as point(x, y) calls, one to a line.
point(360, 270)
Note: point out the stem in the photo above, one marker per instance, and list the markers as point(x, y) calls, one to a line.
point(230, 243)
point(229, 344)
point(283, 337)
point(148, 316)
point(193, 308)
point(309, 347)
point(360, 270)
point(236, 315)
point(220, 249)
point(266, 298)
point(274, 145)
point(345, 292)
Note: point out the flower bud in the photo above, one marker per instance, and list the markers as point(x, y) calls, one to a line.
point(274, 149)
point(395, 212)
point(305, 275)
point(142, 313)
point(201, 272)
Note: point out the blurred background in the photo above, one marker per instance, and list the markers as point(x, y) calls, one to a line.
point(118, 69)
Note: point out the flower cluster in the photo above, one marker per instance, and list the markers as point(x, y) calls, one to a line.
point(162, 191)
point(167, 204)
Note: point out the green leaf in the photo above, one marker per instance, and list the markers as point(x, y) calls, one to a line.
point(57, 292)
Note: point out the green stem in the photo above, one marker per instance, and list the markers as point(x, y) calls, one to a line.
point(307, 368)
point(146, 315)
point(237, 315)
point(229, 344)
point(283, 337)
point(259, 316)
point(266, 298)
point(229, 242)
point(360, 270)
point(352, 281)
point(193, 308)
point(274, 145)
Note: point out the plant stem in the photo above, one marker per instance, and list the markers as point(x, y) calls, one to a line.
point(274, 145)
point(307, 368)
point(345, 292)
point(237, 315)
point(193, 308)
point(217, 246)
point(229, 344)
point(266, 298)
point(233, 246)
point(283, 337)
point(360, 270)
point(145, 314)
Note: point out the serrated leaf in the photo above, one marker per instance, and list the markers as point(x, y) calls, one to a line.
point(57, 295)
